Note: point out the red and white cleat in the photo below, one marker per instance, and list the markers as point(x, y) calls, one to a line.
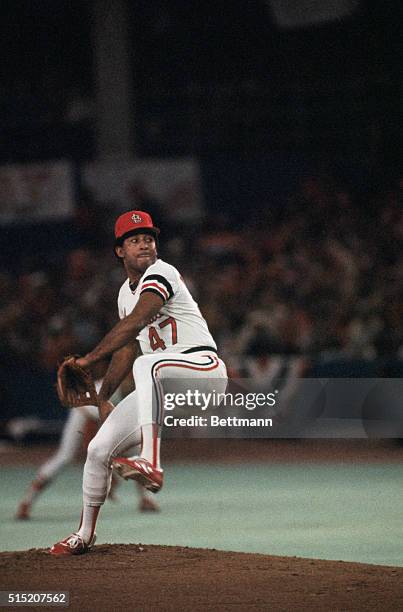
point(24, 512)
point(141, 470)
point(72, 545)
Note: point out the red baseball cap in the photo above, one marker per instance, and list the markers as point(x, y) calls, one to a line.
point(134, 222)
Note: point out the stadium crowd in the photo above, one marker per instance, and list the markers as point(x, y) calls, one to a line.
point(320, 276)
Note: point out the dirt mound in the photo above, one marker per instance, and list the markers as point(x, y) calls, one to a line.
point(151, 578)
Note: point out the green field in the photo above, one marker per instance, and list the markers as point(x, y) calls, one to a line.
point(346, 512)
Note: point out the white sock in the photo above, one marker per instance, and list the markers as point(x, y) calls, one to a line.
point(89, 517)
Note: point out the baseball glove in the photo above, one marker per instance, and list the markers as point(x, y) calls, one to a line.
point(75, 386)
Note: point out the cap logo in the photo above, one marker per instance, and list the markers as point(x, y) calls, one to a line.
point(136, 218)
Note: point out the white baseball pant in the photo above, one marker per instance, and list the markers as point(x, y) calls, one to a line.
point(70, 441)
point(122, 428)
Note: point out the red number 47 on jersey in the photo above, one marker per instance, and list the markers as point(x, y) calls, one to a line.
point(156, 342)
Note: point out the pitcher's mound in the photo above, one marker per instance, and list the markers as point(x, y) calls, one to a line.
point(142, 577)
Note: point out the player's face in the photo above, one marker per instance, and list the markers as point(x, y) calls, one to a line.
point(138, 252)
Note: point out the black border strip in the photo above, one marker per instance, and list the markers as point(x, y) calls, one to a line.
point(162, 280)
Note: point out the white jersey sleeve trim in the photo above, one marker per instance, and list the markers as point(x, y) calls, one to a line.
point(160, 279)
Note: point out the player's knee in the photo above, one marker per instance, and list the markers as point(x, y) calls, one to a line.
point(97, 452)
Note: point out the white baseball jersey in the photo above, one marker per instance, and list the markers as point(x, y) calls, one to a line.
point(180, 325)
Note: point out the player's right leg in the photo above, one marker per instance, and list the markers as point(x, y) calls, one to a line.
point(118, 433)
point(69, 444)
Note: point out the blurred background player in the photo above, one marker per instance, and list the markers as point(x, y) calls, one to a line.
point(80, 427)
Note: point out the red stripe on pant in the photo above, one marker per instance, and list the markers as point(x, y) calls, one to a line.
point(187, 366)
point(175, 365)
point(155, 443)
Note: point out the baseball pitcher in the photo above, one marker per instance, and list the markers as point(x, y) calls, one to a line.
point(162, 335)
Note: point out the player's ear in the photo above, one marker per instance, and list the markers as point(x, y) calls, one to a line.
point(119, 251)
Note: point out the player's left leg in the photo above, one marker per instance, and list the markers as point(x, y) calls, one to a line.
point(203, 370)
